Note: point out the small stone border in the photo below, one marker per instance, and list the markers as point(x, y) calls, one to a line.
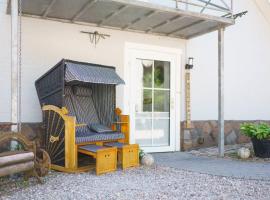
point(230, 153)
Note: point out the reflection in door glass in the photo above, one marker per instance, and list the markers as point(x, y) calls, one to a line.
point(147, 73)
point(162, 74)
point(161, 101)
point(147, 100)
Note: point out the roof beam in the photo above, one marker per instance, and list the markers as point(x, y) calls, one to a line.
point(225, 4)
point(165, 23)
point(85, 7)
point(215, 5)
point(46, 12)
point(209, 1)
point(113, 14)
point(186, 27)
point(148, 15)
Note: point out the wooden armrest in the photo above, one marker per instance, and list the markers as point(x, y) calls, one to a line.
point(120, 122)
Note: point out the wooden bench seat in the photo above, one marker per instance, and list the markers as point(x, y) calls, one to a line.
point(106, 157)
point(127, 154)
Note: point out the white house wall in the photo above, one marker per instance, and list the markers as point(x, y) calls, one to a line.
point(247, 69)
point(247, 47)
point(44, 43)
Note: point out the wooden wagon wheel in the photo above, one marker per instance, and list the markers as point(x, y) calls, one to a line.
point(43, 163)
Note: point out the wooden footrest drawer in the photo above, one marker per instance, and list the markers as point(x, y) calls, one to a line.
point(127, 154)
point(106, 157)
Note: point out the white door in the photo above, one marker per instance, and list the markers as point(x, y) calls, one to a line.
point(152, 100)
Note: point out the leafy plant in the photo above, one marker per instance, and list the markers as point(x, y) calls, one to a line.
point(141, 154)
point(260, 131)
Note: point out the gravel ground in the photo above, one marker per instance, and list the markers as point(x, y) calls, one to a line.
point(140, 183)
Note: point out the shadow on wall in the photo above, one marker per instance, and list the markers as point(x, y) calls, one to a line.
point(205, 134)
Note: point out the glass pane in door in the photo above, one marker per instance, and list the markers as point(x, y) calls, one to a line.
point(144, 132)
point(152, 104)
point(162, 101)
point(162, 74)
point(161, 132)
point(147, 73)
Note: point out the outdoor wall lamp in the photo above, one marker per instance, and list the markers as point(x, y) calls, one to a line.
point(190, 63)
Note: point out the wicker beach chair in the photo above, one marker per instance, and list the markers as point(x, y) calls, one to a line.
point(75, 98)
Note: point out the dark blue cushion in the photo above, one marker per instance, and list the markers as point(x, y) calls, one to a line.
point(91, 136)
point(99, 128)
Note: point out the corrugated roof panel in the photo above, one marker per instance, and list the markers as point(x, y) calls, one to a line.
point(66, 9)
point(197, 28)
point(126, 16)
point(35, 7)
point(155, 20)
point(99, 11)
point(130, 15)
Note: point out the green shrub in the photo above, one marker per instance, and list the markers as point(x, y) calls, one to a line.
point(141, 154)
point(260, 131)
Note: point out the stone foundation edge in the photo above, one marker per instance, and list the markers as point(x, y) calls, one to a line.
point(202, 133)
point(205, 133)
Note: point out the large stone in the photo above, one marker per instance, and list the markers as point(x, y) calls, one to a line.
point(213, 124)
point(231, 138)
point(243, 153)
point(194, 133)
point(228, 127)
point(209, 140)
point(147, 160)
point(207, 129)
point(187, 135)
point(243, 139)
point(213, 136)
point(5, 127)
point(187, 145)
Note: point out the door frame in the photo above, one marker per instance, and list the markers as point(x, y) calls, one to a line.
point(176, 55)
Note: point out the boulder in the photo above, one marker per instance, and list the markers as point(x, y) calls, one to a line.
point(243, 153)
point(147, 160)
point(231, 138)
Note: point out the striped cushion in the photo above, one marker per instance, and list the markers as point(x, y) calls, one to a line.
point(99, 128)
point(84, 137)
point(92, 148)
point(80, 106)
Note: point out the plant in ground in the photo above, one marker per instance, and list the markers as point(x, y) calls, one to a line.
point(259, 131)
point(141, 154)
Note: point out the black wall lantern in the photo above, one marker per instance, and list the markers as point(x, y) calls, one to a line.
point(190, 63)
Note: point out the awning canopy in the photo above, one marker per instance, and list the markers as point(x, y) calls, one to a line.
point(128, 15)
point(80, 72)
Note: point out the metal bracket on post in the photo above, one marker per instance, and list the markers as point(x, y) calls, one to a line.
point(221, 91)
